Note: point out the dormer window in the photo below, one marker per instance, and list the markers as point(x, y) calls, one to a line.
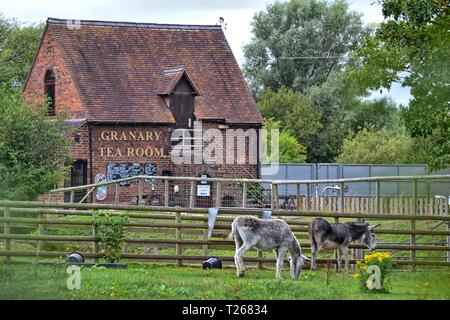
point(50, 91)
point(178, 91)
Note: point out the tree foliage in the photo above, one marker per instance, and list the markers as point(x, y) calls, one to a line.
point(292, 111)
point(18, 45)
point(377, 113)
point(33, 149)
point(295, 65)
point(298, 43)
point(377, 146)
point(289, 151)
point(411, 47)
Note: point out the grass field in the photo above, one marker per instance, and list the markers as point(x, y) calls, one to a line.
point(155, 281)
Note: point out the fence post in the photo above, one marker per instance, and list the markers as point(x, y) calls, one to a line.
point(205, 246)
point(140, 192)
point(41, 232)
point(341, 210)
point(244, 194)
point(272, 196)
point(308, 196)
point(276, 196)
point(378, 196)
point(166, 192)
point(336, 220)
point(217, 194)
point(298, 197)
point(413, 225)
point(116, 198)
point(191, 195)
point(178, 246)
point(94, 198)
point(7, 231)
point(448, 241)
point(94, 234)
point(259, 264)
point(72, 196)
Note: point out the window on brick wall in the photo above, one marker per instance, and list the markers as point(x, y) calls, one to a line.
point(77, 137)
point(50, 91)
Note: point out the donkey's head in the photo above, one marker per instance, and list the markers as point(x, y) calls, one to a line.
point(295, 265)
point(368, 237)
point(296, 260)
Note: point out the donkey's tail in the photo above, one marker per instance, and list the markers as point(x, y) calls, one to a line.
point(235, 233)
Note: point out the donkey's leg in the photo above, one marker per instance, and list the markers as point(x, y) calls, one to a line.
point(338, 253)
point(239, 260)
point(280, 259)
point(314, 252)
point(238, 241)
point(345, 253)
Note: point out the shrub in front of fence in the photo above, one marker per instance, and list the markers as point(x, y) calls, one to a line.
point(111, 231)
point(373, 273)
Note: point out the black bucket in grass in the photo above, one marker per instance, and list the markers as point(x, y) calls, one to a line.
point(75, 257)
point(212, 263)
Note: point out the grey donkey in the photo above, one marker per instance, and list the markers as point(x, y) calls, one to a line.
point(273, 234)
point(337, 236)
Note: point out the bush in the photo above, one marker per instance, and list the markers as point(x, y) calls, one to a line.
point(111, 231)
point(33, 148)
point(372, 146)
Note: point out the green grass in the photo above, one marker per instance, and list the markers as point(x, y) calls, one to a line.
point(155, 281)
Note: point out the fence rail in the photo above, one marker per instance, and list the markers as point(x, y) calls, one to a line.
point(180, 234)
point(185, 192)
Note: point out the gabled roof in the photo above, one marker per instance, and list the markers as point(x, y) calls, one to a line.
point(121, 69)
point(171, 77)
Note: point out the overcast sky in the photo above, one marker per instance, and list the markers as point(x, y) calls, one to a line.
point(237, 14)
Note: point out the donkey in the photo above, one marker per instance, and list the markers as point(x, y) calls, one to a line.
point(274, 234)
point(337, 236)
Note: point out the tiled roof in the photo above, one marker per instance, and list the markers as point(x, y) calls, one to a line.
point(121, 69)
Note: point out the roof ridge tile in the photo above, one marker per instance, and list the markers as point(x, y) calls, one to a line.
point(106, 23)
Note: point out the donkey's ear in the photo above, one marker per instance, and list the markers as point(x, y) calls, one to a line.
point(375, 226)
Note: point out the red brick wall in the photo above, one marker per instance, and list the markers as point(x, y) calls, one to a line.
point(112, 155)
point(107, 140)
point(66, 96)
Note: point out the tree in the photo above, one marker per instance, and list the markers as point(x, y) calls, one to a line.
point(377, 113)
point(411, 47)
point(18, 45)
point(372, 146)
point(290, 150)
point(333, 98)
point(298, 43)
point(294, 112)
point(33, 149)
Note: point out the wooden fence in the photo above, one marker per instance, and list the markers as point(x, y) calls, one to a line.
point(391, 205)
point(180, 234)
point(258, 193)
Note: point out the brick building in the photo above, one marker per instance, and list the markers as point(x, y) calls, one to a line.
point(127, 86)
